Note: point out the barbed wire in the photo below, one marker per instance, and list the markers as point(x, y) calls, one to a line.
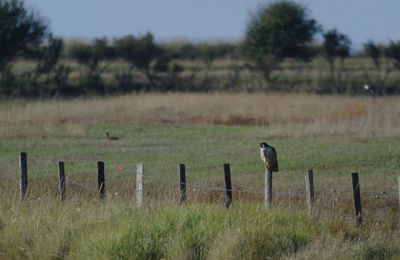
point(244, 189)
point(152, 175)
point(201, 191)
point(8, 178)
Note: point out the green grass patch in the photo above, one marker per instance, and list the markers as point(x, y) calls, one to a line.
point(44, 229)
point(41, 228)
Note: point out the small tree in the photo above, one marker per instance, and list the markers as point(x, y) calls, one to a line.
point(208, 55)
point(21, 31)
point(392, 52)
point(48, 66)
point(141, 53)
point(90, 56)
point(279, 30)
point(49, 55)
point(375, 52)
point(336, 45)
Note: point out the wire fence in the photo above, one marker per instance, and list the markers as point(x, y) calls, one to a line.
point(87, 170)
point(206, 184)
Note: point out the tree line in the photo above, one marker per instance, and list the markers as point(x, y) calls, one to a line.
point(279, 31)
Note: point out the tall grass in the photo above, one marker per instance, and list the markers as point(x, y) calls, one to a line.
point(286, 114)
point(43, 229)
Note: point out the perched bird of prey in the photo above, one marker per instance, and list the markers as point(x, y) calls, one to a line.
point(269, 157)
point(111, 137)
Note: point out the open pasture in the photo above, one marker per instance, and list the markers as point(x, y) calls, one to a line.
point(333, 135)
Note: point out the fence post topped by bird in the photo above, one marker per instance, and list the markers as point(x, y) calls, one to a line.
point(269, 157)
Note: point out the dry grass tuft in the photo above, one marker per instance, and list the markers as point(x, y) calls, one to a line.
point(307, 114)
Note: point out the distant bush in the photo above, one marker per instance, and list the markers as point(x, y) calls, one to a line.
point(188, 51)
point(195, 51)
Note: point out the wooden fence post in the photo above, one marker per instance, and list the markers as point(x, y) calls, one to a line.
point(357, 198)
point(139, 184)
point(268, 187)
point(61, 175)
point(309, 176)
point(228, 185)
point(398, 179)
point(289, 200)
point(182, 182)
point(101, 180)
point(23, 165)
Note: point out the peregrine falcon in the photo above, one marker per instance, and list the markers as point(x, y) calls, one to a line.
point(269, 157)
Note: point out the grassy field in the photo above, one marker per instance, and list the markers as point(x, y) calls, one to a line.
point(333, 135)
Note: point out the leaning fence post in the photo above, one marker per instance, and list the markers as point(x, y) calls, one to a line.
point(228, 185)
point(23, 165)
point(139, 184)
point(268, 187)
point(61, 175)
point(182, 182)
point(309, 176)
point(357, 197)
point(101, 180)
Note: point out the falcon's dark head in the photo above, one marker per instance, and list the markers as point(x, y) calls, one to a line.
point(263, 145)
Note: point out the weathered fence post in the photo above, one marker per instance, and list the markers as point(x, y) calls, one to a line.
point(139, 184)
point(182, 182)
point(357, 197)
point(289, 200)
point(309, 176)
point(61, 175)
point(23, 165)
point(268, 187)
point(228, 185)
point(333, 206)
point(101, 180)
point(398, 179)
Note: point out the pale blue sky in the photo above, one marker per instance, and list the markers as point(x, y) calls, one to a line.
point(202, 20)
